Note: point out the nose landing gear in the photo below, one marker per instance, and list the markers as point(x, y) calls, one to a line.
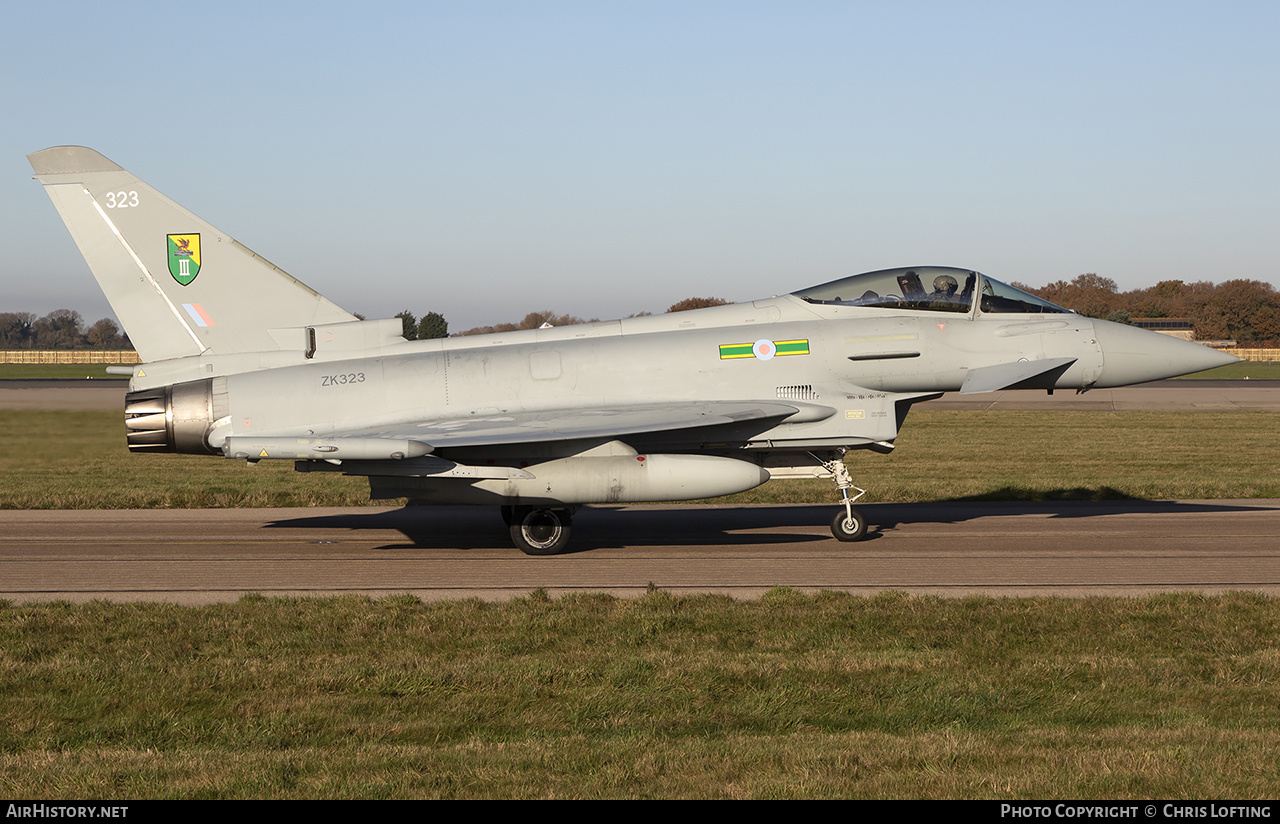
point(848, 524)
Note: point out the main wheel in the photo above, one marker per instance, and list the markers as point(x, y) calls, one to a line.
point(846, 528)
point(541, 531)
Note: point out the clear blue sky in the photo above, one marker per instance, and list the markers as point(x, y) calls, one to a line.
point(485, 159)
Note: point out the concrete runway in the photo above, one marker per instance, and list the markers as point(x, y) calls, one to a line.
point(104, 393)
point(950, 549)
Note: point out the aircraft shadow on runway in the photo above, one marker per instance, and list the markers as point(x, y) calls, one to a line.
point(1058, 504)
point(608, 527)
point(595, 527)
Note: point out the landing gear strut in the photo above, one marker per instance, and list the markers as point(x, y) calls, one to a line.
point(538, 530)
point(849, 524)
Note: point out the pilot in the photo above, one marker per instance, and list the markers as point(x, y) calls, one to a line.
point(944, 289)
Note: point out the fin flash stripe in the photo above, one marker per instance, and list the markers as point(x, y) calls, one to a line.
point(198, 314)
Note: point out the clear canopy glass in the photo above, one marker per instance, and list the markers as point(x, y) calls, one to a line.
point(930, 288)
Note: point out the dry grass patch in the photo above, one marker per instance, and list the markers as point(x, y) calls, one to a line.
point(792, 695)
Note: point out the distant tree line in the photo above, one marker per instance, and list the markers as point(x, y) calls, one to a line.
point(60, 329)
point(65, 329)
point(533, 320)
point(1246, 311)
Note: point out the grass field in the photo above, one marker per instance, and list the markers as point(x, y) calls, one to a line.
point(1253, 370)
point(789, 696)
point(78, 460)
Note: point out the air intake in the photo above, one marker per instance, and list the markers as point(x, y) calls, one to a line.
point(803, 392)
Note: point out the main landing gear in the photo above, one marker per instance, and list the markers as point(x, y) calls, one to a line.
point(848, 524)
point(538, 530)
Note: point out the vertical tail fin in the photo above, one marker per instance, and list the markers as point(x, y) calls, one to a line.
point(179, 286)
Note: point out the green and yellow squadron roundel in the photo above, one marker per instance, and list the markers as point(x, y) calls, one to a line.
point(184, 257)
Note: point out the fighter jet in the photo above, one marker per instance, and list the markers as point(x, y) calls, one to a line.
point(242, 361)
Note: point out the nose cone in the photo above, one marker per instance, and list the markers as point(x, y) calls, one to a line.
point(1132, 355)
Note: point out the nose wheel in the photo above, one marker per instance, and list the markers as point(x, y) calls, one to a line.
point(849, 525)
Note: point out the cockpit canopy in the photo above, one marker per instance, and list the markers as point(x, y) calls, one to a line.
point(930, 288)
